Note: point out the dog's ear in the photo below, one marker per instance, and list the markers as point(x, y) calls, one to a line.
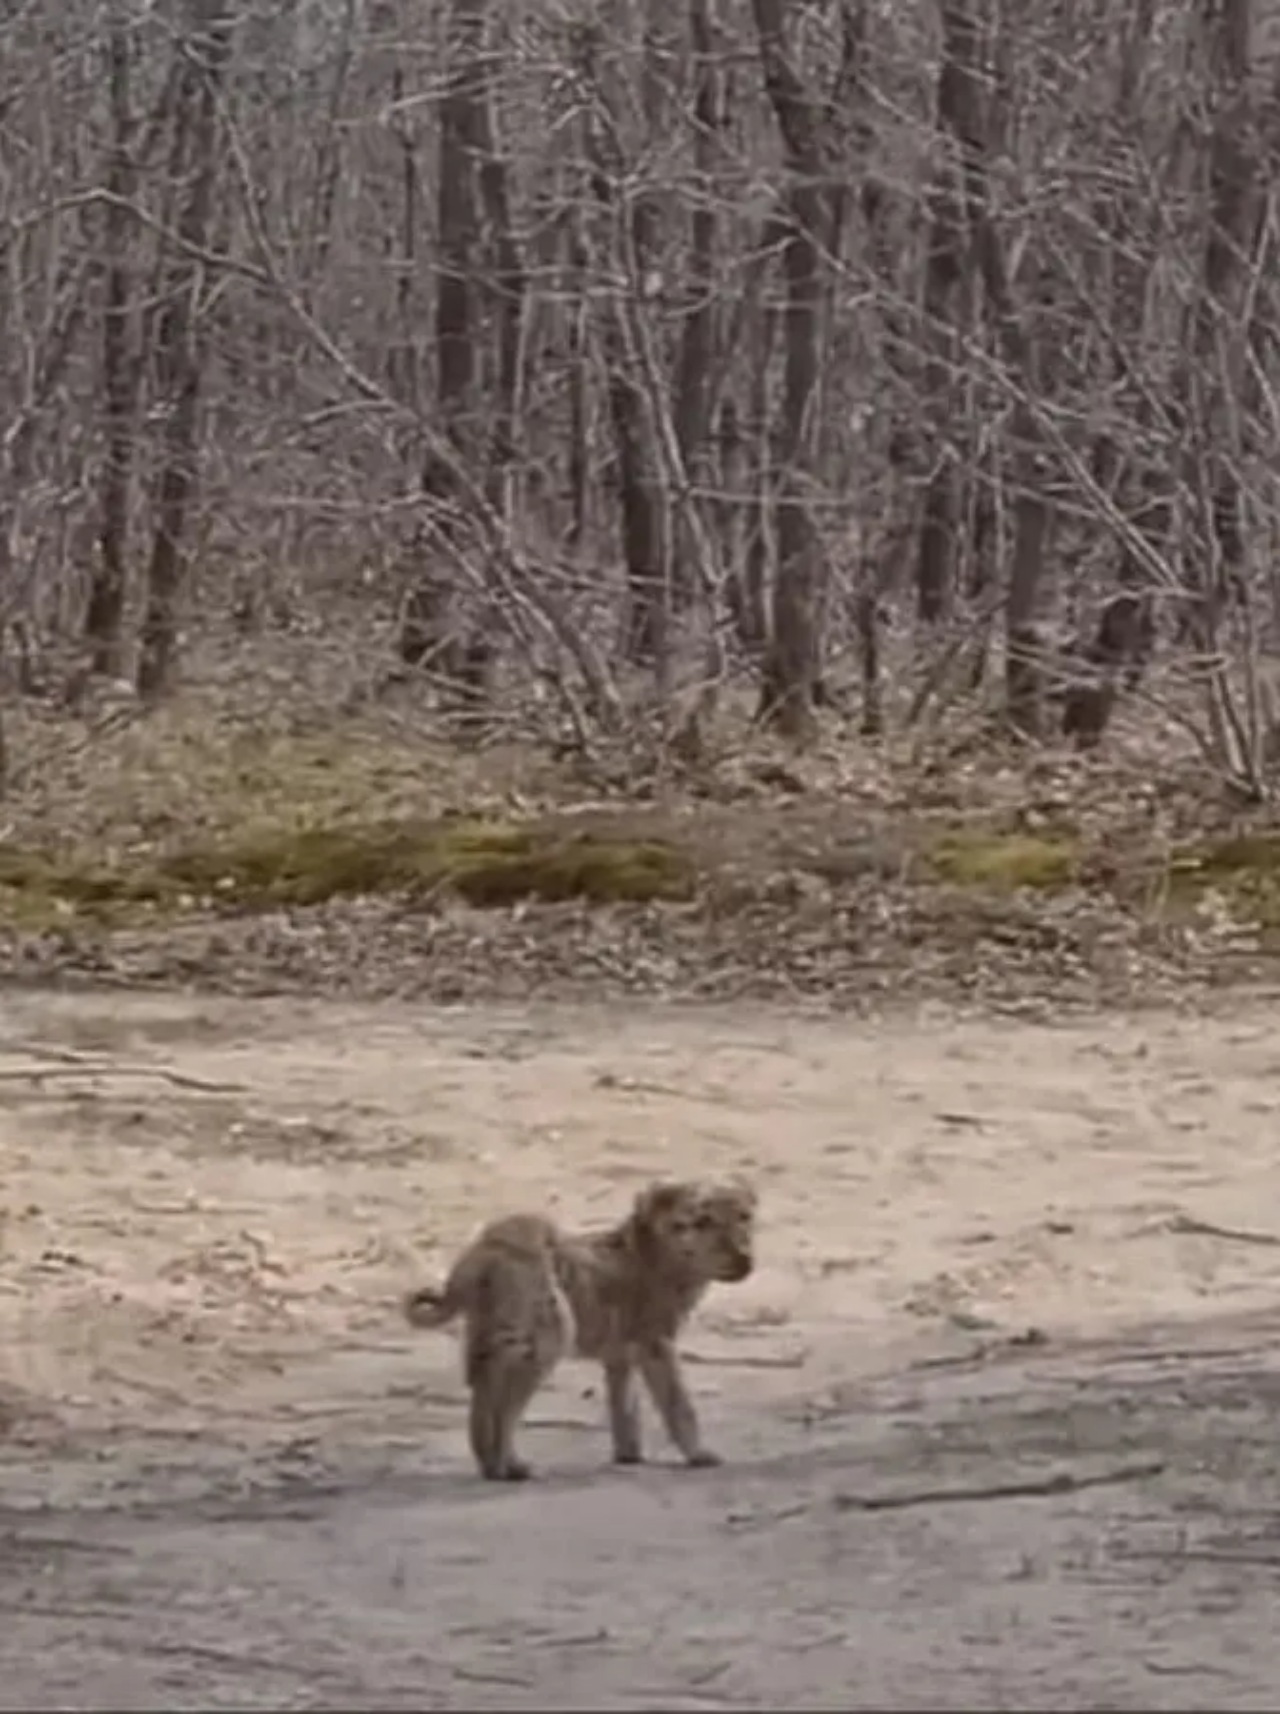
point(745, 1191)
point(654, 1201)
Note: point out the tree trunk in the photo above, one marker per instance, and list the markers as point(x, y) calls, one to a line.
point(867, 612)
point(434, 631)
point(403, 366)
point(692, 410)
point(1144, 479)
point(1024, 648)
point(646, 523)
point(179, 354)
point(579, 455)
point(749, 440)
point(791, 668)
point(1222, 313)
point(104, 616)
point(945, 264)
point(1032, 511)
point(508, 285)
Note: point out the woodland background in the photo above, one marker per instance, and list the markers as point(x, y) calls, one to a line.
point(817, 438)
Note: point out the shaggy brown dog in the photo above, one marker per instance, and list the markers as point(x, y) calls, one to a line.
point(531, 1294)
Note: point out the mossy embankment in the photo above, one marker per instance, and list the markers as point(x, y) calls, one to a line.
point(482, 863)
point(1241, 869)
point(632, 858)
point(168, 824)
point(1003, 860)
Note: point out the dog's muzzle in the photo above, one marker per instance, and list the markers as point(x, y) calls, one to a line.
point(738, 1265)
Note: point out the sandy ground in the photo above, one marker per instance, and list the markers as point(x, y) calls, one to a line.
point(986, 1247)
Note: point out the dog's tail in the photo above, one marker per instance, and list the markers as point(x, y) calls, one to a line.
point(428, 1306)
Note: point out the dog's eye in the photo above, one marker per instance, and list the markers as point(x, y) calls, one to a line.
point(704, 1222)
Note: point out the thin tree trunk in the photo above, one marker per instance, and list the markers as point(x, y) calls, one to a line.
point(318, 234)
point(945, 263)
point(692, 411)
point(646, 524)
point(579, 461)
point(791, 667)
point(104, 617)
point(508, 286)
point(402, 352)
point(1032, 511)
point(432, 631)
point(1224, 390)
point(179, 357)
point(1123, 640)
point(867, 613)
point(1222, 331)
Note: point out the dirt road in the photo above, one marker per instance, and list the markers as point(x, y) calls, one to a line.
point(994, 1257)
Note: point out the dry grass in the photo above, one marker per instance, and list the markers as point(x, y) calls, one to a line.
point(241, 799)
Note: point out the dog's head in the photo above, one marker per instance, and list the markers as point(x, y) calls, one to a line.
point(704, 1231)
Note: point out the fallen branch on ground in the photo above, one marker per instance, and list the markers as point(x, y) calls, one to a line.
point(781, 1360)
point(1202, 1555)
point(639, 1086)
point(1059, 1482)
point(1008, 1344)
point(1189, 1224)
point(63, 1065)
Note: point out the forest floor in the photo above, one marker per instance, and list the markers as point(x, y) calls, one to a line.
point(998, 1406)
point(993, 1030)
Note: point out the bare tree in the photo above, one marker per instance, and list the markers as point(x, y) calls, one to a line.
point(1223, 390)
point(121, 365)
point(435, 631)
point(624, 253)
point(694, 369)
point(791, 669)
point(205, 52)
point(946, 268)
point(655, 340)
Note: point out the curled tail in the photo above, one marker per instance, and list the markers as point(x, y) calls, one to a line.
point(428, 1306)
point(437, 1306)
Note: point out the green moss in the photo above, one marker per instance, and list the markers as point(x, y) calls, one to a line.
point(485, 864)
point(38, 890)
point(1256, 854)
point(1000, 861)
point(1244, 869)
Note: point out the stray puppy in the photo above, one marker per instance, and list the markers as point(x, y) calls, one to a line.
point(531, 1294)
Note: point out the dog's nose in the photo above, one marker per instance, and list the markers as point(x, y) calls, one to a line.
point(740, 1265)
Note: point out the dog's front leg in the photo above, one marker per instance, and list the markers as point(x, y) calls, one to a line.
point(624, 1412)
point(661, 1370)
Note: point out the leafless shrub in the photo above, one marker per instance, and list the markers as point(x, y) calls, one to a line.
point(591, 356)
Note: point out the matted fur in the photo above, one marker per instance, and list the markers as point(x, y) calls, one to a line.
point(531, 1294)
